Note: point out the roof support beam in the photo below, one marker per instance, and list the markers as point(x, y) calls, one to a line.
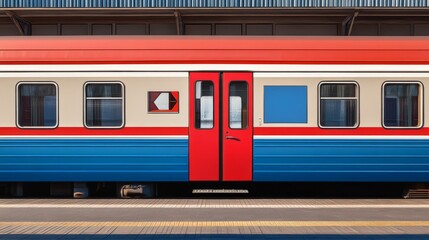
point(24, 27)
point(347, 24)
point(179, 22)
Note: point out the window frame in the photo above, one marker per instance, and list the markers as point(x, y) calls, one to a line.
point(319, 100)
point(57, 108)
point(420, 109)
point(214, 105)
point(85, 103)
point(229, 104)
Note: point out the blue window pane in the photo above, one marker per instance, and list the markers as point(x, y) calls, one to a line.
point(37, 105)
point(401, 105)
point(338, 105)
point(338, 90)
point(104, 90)
point(285, 104)
point(337, 113)
point(50, 111)
point(104, 112)
point(104, 105)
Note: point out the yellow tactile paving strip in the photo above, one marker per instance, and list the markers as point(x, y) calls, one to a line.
point(225, 224)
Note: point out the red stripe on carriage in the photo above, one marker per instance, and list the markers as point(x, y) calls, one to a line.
point(128, 131)
point(325, 131)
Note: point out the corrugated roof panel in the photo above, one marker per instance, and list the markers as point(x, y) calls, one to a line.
point(210, 3)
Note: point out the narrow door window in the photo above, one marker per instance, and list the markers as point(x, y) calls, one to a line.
point(338, 105)
point(238, 112)
point(204, 104)
point(402, 105)
point(37, 105)
point(104, 105)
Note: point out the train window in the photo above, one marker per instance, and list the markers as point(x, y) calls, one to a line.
point(104, 105)
point(238, 105)
point(37, 105)
point(402, 105)
point(338, 106)
point(204, 104)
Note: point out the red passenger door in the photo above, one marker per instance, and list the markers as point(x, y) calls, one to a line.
point(204, 126)
point(237, 127)
point(220, 126)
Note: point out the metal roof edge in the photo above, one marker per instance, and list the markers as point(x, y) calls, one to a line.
point(223, 4)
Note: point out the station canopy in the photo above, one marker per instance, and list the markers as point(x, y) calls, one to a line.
point(215, 17)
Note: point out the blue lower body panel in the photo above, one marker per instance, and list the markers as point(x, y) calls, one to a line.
point(346, 160)
point(159, 159)
point(57, 160)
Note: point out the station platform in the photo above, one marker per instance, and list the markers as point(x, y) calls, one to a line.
point(214, 218)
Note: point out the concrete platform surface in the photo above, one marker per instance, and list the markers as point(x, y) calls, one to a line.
point(214, 218)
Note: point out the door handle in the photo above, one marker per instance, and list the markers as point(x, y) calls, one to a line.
point(232, 138)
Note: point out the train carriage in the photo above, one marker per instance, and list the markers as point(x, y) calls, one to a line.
point(217, 109)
